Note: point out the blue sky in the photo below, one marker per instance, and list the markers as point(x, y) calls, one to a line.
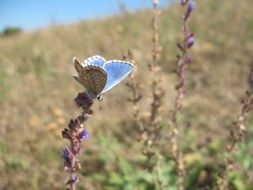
point(33, 14)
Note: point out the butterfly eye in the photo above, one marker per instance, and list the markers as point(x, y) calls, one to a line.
point(100, 97)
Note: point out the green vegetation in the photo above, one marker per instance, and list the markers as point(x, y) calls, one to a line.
point(9, 31)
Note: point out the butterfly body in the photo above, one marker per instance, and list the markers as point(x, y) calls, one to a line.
point(98, 76)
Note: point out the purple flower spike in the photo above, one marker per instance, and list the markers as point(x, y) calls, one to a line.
point(72, 180)
point(183, 2)
point(66, 153)
point(75, 133)
point(76, 146)
point(189, 41)
point(74, 123)
point(84, 134)
point(190, 7)
point(188, 58)
point(66, 134)
point(67, 156)
point(83, 100)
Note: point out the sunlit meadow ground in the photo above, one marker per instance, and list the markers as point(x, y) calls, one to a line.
point(37, 92)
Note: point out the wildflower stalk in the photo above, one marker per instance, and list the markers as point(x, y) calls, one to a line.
point(237, 135)
point(75, 133)
point(151, 130)
point(135, 89)
point(142, 124)
point(149, 126)
point(155, 36)
point(183, 60)
point(157, 91)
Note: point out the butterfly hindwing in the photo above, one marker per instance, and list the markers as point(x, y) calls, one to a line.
point(94, 60)
point(116, 71)
point(92, 77)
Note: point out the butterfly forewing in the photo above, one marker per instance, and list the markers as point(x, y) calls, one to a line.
point(77, 66)
point(95, 77)
point(94, 60)
point(79, 70)
point(116, 71)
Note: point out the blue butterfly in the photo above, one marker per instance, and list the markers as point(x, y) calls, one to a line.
point(98, 75)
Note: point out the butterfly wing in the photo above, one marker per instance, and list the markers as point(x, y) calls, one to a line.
point(92, 77)
point(96, 77)
point(94, 60)
point(116, 71)
point(79, 69)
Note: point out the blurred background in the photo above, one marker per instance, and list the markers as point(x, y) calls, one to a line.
point(41, 14)
point(37, 43)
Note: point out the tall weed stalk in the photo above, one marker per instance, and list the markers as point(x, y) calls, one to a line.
point(75, 133)
point(183, 61)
